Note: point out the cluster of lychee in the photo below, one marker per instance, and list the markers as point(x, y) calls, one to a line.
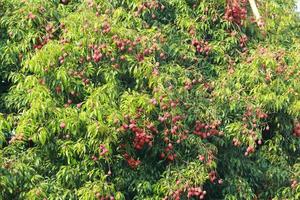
point(106, 27)
point(79, 74)
point(168, 152)
point(206, 130)
point(46, 38)
point(15, 138)
point(176, 195)
point(236, 11)
point(201, 46)
point(31, 16)
point(141, 137)
point(173, 132)
point(172, 137)
point(107, 197)
point(252, 121)
point(61, 58)
point(188, 85)
point(296, 130)
point(249, 150)
point(125, 44)
point(133, 163)
point(149, 6)
point(103, 150)
point(207, 159)
point(196, 192)
point(294, 183)
point(243, 40)
point(97, 55)
point(190, 192)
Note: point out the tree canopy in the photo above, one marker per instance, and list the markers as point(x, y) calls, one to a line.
point(149, 99)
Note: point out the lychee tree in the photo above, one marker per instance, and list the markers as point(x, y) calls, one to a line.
point(157, 99)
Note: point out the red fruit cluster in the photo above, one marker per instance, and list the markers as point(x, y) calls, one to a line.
point(212, 176)
point(162, 55)
point(260, 114)
point(163, 118)
point(188, 85)
point(106, 27)
point(249, 150)
point(46, 38)
point(41, 43)
point(151, 50)
point(208, 158)
point(152, 128)
point(294, 183)
point(243, 40)
point(173, 132)
point(169, 153)
point(69, 102)
point(236, 142)
point(201, 158)
point(149, 6)
point(153, 101)
point(196, 192)
point(206, 130)
point(201, 46)
point(141, 137)
point(31, 16)
point(64, 41)
point(58, 89)
point(61, 59)
point(176, 195)
point(103, 150)
point(296, 130)
point(42, 81)
point(139, 57)
point(172, 157)
point(109, 197)
point(124, 44)
point(236, 11)
point(81, 75)
point(15, 138)
point(131, 161)
point(97, 55)
point(94, 158)
point(192, 31)
point(130, 46)
point(251, 119)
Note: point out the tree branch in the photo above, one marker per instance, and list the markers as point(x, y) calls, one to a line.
point(256, 13)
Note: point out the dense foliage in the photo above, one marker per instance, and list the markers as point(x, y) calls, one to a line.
point(149, 99)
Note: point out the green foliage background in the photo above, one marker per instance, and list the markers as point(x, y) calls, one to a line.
point(41, 160)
